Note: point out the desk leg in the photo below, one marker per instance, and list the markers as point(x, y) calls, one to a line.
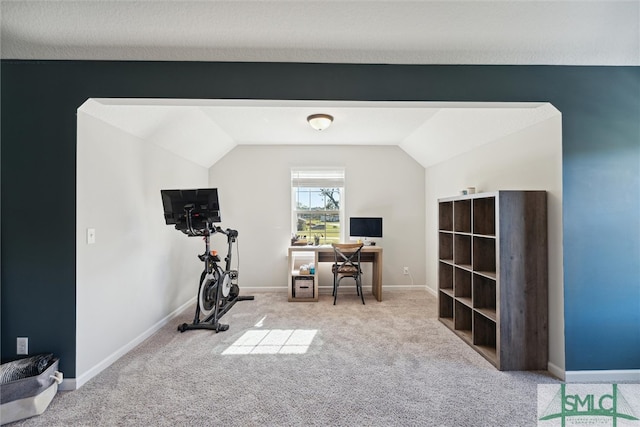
point(376, 282)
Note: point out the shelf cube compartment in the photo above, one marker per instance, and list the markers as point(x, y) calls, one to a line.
point(484, 216)
point(445, 276)
point(484, 295)
point(462, 216)
point(462, 284)
point(303, 286)
point(484, 331)
point(299, 259)
point(445, 216)
point(462, 317)
point(484, 255)
point(462, 250)
point(445, 250)
point(445, 306)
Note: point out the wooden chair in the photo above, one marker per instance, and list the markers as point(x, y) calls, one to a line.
point(347, 264)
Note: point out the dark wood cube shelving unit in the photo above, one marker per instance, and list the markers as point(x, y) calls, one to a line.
point(493, 274)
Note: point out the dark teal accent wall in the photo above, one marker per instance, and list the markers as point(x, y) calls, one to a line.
point(601, 181)
point(601, 175)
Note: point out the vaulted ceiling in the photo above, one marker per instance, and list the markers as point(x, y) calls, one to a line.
point(203, 131)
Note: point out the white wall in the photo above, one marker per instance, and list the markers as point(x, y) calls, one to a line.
point(254, 185)
point(139, 270)
point(530, 159)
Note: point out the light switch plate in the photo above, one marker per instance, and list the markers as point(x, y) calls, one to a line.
point(91, 236)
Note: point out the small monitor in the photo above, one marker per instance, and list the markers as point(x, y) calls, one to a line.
point(200, 204)
point(365, 227)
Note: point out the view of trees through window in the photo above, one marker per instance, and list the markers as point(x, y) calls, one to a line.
point(318, 214)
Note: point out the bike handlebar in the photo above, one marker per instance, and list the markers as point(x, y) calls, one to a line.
point(228, 232)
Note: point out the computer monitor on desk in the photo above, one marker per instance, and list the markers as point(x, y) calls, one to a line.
point(365, 227)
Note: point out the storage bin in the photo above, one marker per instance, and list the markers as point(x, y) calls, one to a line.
point(303, 287)
point(28, 386)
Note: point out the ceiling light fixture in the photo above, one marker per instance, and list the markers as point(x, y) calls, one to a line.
point(320, 121)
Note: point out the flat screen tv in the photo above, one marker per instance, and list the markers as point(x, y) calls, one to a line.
point(365, 227)
point(201, 204)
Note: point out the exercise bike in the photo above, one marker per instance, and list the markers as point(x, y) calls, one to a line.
point(218, 290)
point(194, 212)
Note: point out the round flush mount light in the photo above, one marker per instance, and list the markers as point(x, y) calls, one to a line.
point(320, 121)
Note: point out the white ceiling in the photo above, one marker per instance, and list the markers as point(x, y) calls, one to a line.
point(591, 32)
point(203, 131)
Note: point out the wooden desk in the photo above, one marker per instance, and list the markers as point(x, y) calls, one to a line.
point(305, 254)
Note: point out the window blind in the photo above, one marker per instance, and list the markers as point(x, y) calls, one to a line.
point(317, 178)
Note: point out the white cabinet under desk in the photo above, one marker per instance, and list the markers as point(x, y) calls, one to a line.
point(299, 256)
point(305, 255)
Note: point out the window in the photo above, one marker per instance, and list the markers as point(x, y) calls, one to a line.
point(317, 208)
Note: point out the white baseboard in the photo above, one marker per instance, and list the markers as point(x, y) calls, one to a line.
point(76, 383)
point(392, 288)
point(603, 376)
point(367, 289)
point(324, 289)
point(247, 290)
point(556, 371)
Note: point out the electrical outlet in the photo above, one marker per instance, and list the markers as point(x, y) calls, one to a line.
point(22, 345)
point(405, 271)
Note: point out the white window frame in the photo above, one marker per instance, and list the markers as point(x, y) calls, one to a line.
point(317, 177)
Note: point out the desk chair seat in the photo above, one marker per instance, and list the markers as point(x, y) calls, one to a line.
point(347, 264)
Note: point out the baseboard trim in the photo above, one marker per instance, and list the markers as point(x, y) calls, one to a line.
point(603, 376)
point(76, 383)
point(367, 289)
point(556, 371)
point(432, 291)
point(328, 289)
point(247, 290)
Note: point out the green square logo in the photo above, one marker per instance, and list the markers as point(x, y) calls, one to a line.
point(616, 405)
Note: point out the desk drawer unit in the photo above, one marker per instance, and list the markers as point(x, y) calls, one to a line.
point(303, 286)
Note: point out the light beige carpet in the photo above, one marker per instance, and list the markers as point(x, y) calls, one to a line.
point(387, 363)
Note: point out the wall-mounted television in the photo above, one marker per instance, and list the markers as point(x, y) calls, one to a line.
point(365, 227)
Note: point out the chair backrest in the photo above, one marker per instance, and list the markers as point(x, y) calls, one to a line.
point(347, 256)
